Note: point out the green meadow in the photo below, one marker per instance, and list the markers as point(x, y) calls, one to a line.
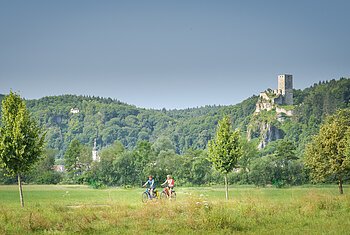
point(68, 209)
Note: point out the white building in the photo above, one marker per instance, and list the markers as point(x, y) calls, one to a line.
point(95, 156)
point(74, 110)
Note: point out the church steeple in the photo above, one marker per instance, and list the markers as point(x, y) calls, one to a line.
point(95, 156)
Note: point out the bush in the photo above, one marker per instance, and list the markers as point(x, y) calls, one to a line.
point(97, 184)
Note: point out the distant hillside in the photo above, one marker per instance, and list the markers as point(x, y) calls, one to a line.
point(109, 120)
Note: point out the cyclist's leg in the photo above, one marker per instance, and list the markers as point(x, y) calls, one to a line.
point(152, 192)
point(169, 191)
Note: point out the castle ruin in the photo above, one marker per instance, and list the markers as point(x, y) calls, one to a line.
point(283, 95)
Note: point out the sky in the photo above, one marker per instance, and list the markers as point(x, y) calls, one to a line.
point(170, 54)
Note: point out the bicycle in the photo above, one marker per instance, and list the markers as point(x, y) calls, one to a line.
point(146, 195)
point(164, 194)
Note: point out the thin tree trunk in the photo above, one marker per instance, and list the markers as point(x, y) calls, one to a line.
point(226, 187)
point(340, 185)
point(20, 190)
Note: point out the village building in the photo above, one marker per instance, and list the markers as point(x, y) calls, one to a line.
point(59, 168)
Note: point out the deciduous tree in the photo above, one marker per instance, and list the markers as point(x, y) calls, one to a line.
point(71, 160)
point(327, 154)
point(225, 149)
point(21, 139)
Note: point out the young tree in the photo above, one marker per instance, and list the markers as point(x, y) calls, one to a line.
point(21, 140)
point(71, 160)
point(327, 155)
point(225, 149)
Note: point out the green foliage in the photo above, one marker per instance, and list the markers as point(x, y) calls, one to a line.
point(21, 139)
point(225, 149)
point(327, 154)
point(115, 168)
point(285, 150)
point(77, 161)
point(242, 174)
point(6, 179)
point(112, 120)
point(192, 168)
point(97, 184)
point(122, 167)
point(43, 172)
point(287, 107)
point(260, 173)
point(278, 166)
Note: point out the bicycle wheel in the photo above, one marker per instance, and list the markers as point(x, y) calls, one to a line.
point(144, 197)
point(163, 195)
point(173, 196)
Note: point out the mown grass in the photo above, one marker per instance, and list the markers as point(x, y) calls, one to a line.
point(78, 209)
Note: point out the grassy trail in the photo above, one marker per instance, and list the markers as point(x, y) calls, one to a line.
point(199, 210)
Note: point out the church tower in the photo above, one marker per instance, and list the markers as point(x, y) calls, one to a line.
point(285, 87)
point(95, 156)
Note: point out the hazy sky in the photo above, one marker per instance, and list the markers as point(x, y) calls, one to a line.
point(172, 54)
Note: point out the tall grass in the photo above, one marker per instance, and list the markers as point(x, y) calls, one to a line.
point(198, 210)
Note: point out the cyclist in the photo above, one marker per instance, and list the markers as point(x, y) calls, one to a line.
point(170, 185)
point(152, 186)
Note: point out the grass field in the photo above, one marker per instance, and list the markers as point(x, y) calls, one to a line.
point(198, 210)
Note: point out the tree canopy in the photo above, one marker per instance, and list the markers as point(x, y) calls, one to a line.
point(21, 140)
point(225, 149)
point(327, 154)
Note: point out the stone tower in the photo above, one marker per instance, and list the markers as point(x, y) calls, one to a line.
point(285, 87)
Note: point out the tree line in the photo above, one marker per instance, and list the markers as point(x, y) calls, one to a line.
point(277, 165)
point(297, 158)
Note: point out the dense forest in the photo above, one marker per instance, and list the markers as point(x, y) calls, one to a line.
point(130, 138)
point(109, 120)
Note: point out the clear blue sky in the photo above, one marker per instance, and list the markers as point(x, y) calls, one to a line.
point(172, 54)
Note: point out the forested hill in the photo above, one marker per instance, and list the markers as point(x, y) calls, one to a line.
point(109, 120)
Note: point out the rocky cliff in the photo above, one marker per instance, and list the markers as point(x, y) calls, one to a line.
point(265, 127)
